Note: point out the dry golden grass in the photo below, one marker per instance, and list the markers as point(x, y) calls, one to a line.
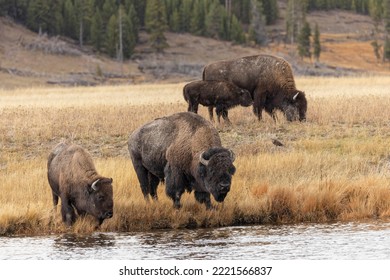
point(336, 166)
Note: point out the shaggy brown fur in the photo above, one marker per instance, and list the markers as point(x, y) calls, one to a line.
point(220, 94)
point(184, 150)
point(72, 174)
point(269, 79)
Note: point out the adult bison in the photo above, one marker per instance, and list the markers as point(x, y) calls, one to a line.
point(184, 150)
point(222, 95)
point(268, 78)
point(72, 177)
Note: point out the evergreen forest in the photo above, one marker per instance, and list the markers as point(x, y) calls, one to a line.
point(112, 26)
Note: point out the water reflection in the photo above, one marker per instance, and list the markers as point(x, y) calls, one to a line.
point(304, 241)
point(73, 241)
point(95, 246)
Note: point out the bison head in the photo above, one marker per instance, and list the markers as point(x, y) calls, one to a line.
point(245, 98)
point(216, 170)
point(100, 199)
point(295, 107)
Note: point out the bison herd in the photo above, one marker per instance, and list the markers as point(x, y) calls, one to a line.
point(183, 150)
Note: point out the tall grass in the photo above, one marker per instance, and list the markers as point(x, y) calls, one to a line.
point(336, 166)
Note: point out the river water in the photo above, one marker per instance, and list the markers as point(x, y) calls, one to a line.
point(336, 241)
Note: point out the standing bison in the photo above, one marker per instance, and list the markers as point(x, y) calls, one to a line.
point(72, 177)
point(268, 78)
point(220, 94)
point(184, 150)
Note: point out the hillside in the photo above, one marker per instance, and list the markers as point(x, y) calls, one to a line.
point(27, 59)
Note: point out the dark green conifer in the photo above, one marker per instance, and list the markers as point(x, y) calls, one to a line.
point(304, 41)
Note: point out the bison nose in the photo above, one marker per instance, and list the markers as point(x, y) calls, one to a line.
point(224, 186)
point(108, 214)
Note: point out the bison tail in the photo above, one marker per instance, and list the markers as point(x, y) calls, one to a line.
point(184, 94)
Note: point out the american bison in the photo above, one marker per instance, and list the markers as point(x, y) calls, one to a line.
point(222, 95)
point(72, 177)
point(184, 150)
point(268, 78)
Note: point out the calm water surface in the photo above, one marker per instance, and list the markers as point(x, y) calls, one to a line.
point(287, 242)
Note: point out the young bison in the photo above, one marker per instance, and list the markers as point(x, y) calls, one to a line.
point(73, 177)
point(220, 94)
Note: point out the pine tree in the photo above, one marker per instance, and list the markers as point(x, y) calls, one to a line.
point(236, 31)
point(175, 21)
point(386, 50)
point(38, 15)
point(270, 10)
point(108, 9)
point(376, 12)
point(295, 19)
point(129, 37)
point(111, 41)
point(316, 43)
point(197, 25)
point(185, 15)
point(156, 24)
point(135, 23)
point(55, 20)
point(214, 20)
point(304, 41)
point(257, 31)
point(69, 19)
point(81, 9)
point(97, 30)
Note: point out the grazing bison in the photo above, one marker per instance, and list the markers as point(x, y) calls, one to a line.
point(184, 150)
point(72, 177)
point(268, 78)
point(220, 94)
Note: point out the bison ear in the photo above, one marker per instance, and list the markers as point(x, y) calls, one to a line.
point(106, 181)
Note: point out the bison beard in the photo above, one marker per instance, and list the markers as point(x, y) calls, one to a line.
point(184, 150)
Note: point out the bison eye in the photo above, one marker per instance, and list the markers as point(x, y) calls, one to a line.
point(100, 197)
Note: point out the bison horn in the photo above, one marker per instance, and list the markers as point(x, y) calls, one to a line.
point(94, 185)
point(203, 161)
point(232, 155)
point(295, 96)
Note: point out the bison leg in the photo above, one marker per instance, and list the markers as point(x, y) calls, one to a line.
point(225, 117)
point(143, 178)
point(193, 107)
point(55, 201)
point(203, 197)
point(224, 112)
point(174, 185)
point(67, 212)
point(211, 115)
point(259, 103)
point(153, 183)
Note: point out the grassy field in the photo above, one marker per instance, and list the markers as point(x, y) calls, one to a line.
point(336, 166)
